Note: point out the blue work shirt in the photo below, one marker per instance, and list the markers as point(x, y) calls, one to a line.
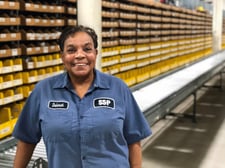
point(92, 132)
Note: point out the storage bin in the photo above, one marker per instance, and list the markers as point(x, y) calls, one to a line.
point(26, 90)
point(18, 93)
point(5, 122)
point(7, 81)
point(17, 79)
point(40, 61)
point(1, 97)
point(40, 74)
point(48, 72)
point(30, 77)
point(1, 82)
point(17, 64)
point(48, 60)
point(7, 66)
point(8, 96)
point(16, 109)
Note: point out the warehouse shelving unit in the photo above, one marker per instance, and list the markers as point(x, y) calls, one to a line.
point(29, 52)
point(154, 38)
point(10, 69)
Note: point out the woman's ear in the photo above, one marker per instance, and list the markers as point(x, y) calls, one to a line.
point(62, 56)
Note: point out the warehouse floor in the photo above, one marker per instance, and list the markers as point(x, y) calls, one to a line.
point(177, 142)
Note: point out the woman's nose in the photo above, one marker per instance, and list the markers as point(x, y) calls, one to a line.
point(79, 54)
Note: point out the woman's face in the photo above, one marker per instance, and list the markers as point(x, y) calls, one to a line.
point(79, 55)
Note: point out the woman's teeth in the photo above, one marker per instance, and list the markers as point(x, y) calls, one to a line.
point(79, 64)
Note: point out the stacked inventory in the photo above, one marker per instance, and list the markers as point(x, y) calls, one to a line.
point(10, 69)
point(143, 39)
point(70, 12)
point(127, 32)
point(28, 50)
point(110, 37)
point(155, 38)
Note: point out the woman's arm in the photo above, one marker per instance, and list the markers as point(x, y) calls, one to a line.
point(23, 154)
point(135, 155)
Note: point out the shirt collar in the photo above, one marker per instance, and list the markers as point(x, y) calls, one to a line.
point(63, 81)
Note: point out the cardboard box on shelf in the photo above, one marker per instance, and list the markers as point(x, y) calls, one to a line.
point(9, 5)
point(5, 51)
point(31, 49)
point(144, 2)
point(4, 19)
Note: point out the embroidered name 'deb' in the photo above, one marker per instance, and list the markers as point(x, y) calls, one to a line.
point(104, 102)
point(58, 104)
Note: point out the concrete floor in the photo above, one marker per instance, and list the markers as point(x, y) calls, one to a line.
point(177, 142)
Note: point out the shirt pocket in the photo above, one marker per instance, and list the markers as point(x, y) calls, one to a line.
point(57, 125)
point(107, 123)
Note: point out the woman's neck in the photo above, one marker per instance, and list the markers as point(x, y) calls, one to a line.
point(82, 84)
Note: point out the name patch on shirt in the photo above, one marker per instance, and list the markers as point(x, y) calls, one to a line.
point(104, 102)
point(58, 104)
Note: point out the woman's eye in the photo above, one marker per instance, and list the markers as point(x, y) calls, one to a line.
point(87, 49)
point(71, 51)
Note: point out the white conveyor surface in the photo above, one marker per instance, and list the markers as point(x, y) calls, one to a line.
point(157, 91)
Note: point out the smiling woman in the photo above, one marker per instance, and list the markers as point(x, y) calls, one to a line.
point(79, 50)
point(86, 118)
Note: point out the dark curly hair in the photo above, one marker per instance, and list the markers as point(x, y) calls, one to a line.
point(71, 30)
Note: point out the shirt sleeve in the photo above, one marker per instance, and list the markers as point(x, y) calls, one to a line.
point(136, 126)
point(27, 127)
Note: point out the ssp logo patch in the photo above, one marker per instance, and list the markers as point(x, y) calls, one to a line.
point(104, 102)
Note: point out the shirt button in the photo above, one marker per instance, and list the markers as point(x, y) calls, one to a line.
point(83, 157)
point(81, 117)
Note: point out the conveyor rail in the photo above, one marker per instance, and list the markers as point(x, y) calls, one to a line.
point(8, 151)
point(156, 99)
